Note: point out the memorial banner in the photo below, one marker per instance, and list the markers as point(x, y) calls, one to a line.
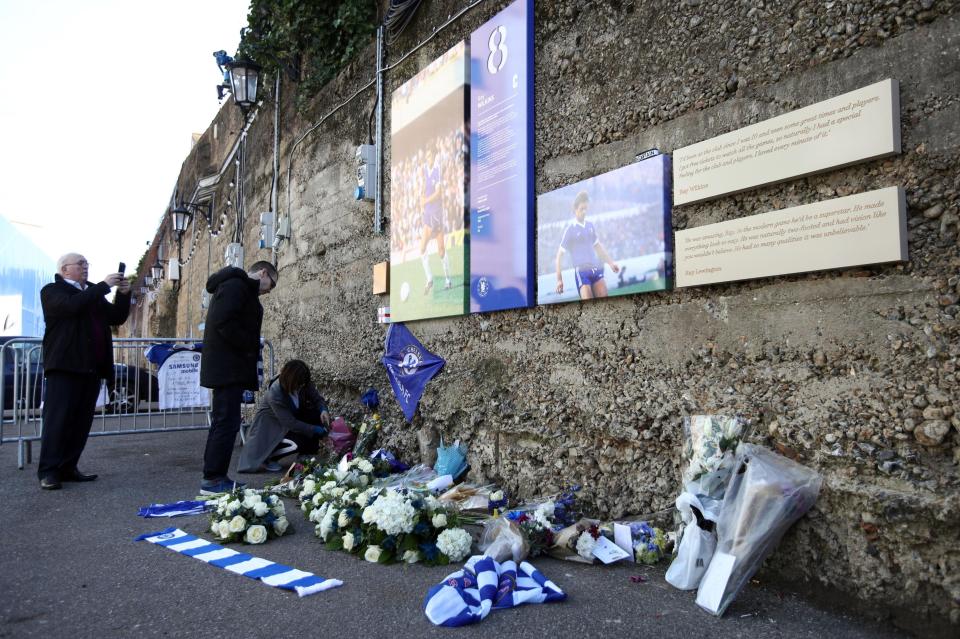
point(429, 251)
point(179, 381)
point(867, 228)
point(854, 127)
point(607, 235)
point(409, 367)
point(501, 161)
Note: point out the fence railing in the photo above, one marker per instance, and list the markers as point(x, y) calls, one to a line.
point(130, 405)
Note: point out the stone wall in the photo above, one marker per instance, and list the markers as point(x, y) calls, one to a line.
point(851, 372)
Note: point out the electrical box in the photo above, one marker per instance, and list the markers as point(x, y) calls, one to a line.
point(173, 270)
point(233, 256)
point(266, 229)
point(283, 232)
point(381, 278)
point(366, 172)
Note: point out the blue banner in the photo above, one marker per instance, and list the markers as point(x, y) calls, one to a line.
point(501, 161)
point(409, 366)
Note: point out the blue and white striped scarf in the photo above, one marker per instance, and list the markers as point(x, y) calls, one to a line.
point(276, 575)
point(176, 509)
point(467, 596)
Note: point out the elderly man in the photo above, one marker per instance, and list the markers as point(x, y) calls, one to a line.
point(231, 348)
point(77, 355)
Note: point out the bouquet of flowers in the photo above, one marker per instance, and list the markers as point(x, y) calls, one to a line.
point(367, 434)
point(709, 444)
point(331, 483)
point(469, 497)
point(246, 515)
point(649, 543)
point(387, 525)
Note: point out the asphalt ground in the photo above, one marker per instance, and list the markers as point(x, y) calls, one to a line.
point(69, 568)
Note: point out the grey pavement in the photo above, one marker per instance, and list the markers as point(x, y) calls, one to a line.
point(69, 567)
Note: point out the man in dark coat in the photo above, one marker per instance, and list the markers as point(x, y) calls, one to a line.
point(77, 355)
point(231, 347)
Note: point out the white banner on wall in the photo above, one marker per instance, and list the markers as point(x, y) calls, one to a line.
point(179, 381)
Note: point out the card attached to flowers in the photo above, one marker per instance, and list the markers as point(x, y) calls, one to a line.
point(608, 552)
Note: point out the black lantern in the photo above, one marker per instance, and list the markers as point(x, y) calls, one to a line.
point(148, 280)
point(157, 271)
point(180, 216)
point(244, 75)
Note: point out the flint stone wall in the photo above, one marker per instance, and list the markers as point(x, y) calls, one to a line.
point(851, 372)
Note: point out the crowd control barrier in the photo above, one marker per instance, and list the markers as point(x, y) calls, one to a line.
point(153, 391)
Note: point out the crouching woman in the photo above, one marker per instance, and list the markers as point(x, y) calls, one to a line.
point(291, 417)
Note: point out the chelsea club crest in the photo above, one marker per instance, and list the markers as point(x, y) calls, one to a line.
point(483, 286)
point(410, 359)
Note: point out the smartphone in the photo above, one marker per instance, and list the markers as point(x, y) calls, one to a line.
point(121, 268)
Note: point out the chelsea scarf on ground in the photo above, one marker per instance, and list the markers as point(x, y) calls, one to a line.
point(467, 596)
point(276, 575)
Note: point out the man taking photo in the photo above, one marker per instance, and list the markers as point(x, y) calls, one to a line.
point(77, 356)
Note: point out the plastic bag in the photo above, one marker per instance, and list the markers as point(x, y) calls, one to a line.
point(766, 495)
point(503, 540)
point(342, 438)
point(697, 543)
point(451, 460)
point(415, 478)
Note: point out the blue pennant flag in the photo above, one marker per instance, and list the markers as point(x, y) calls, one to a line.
point(409, 366)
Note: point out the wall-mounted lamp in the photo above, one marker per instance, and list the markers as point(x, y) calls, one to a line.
point(180, 217)
point(157, 271)
point(244, 76)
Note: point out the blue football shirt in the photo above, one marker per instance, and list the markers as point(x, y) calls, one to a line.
point(579, 240)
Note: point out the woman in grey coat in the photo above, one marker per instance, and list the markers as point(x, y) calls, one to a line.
point(291, 416)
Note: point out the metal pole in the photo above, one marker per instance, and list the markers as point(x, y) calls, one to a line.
point(378, 196)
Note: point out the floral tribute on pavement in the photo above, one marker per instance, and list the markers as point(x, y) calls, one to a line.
point(248, 516)
point(382, 524)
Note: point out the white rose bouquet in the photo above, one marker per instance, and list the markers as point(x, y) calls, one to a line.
point(249, 516)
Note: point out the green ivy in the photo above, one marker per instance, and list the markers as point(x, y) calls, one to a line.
point(313, 40)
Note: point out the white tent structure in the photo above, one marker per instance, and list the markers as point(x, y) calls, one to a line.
point(24, 269)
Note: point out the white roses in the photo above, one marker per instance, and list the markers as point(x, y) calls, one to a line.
point(349, 541)
point(454, 543)
point(250, 516)
point(373, 554)
point(256, 534)
point(237, 524)
point(439, 520)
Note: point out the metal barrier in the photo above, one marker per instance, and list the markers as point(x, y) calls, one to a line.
point(131, 405)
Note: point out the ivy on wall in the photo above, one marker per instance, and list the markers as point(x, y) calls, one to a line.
point(310, 40)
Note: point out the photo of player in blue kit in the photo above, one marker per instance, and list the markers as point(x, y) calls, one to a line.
point(432, 206)
point(580, 241)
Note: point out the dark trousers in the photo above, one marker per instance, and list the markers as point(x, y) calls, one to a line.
point(306, 444)
point(68, 407)
point(224, 426)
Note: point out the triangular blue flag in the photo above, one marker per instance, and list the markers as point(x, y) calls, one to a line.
point(409, 366)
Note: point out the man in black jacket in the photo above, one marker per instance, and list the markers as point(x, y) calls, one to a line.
point(77, 355)
point(228, 366)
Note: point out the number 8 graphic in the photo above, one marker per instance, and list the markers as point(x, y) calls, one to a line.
point(497, 45)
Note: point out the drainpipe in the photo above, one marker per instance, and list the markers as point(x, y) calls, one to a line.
point(276, 167)
point(378, 195)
